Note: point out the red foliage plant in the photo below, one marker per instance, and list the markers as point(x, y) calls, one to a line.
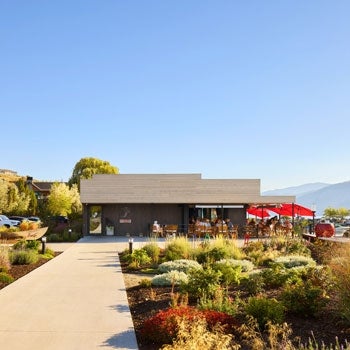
point(162, 327)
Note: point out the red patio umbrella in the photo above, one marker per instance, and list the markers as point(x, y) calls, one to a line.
point(281, 211)
point(292, 209)
point(298, 210)
point(260, 212)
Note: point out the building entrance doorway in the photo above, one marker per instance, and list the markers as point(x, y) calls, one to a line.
point(95, 220)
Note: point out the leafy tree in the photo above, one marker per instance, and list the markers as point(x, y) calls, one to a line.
point(3, 196)
point(339, 213)
point(28, 202)
point(63, 200)
point(11, 200)
point(343, 212)
point(76, 203)
point(33, 203)
point(86, 167)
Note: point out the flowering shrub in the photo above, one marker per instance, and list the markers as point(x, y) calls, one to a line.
point(183, 265)
point(162, 328)
point(170, 278)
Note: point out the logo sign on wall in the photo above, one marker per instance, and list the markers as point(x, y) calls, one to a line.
point(125, 221)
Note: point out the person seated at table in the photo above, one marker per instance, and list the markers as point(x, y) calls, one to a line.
point(156, 228)
point(220, 222)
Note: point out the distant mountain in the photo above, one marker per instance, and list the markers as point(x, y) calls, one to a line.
point(320, 195)
point(296, 190)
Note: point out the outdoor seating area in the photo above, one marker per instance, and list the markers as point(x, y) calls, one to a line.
point(203, 228)
point(260, 222)
point(158, 230)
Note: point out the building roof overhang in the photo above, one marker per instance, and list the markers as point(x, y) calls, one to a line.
point(173, 189)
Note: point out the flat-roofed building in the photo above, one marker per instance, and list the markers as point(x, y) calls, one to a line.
point(130, 203)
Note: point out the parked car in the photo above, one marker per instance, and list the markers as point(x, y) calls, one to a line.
point(34, 218)
point(340, 230)
point(18, 218)
point(5, 221)
point(59, 219)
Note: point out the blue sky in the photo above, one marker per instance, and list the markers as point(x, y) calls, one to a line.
point(229, 89)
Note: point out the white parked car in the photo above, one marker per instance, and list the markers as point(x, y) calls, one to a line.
point(340, 230)
point(5, 221)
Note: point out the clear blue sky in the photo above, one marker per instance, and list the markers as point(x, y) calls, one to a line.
point(229, 89)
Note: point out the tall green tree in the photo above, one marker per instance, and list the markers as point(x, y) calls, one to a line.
point(12, 201)
point(86, 167)
point(3, 196)
point(64, 200)
point(28, 203)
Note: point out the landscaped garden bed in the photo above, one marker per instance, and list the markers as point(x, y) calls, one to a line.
point(282, 293)
point(20, 259)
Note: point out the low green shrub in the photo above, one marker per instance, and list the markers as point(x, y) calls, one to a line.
point(261, 254)
point(24, 244)
point(221, 301)
point(145, 283)
point(265, 310)
point(254, 283)
point(289, 261)
point(6, 278)
point(245, 265)
point(230, 274)
point(170, 278)
point(214, 250)
point(23, 257)
point(274, 277)
point(202, 283)
point(178, 248)
point(54, 237)
point(304, 299)
point(49, 254)
point(139, 258)
point(183, 265)
point(153, 251)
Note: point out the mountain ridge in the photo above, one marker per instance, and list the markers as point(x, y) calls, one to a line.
point(318, 195)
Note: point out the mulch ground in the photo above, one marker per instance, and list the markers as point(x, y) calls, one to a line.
point(18, 271)
point(146, 302)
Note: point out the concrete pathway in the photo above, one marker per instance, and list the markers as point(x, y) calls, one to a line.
point(75, 301)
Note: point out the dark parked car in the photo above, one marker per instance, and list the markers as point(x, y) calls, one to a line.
point(34, 218)
point(18, 218)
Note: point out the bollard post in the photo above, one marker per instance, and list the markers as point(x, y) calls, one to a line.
point(43, 245)
point(130, 245)
point(70, 234)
